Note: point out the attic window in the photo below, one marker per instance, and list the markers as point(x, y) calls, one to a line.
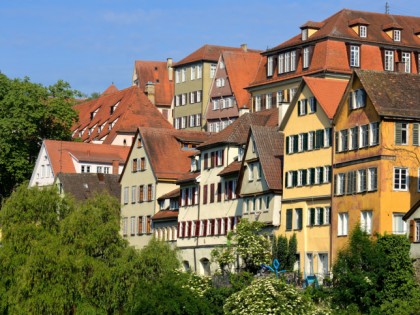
point(363, 31)
point(397, 35)
point(139, 144)
point(113, 108)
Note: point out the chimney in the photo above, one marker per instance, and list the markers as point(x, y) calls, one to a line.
point(115, 167)
point(170, 68)
point(149, 90)
point(244, 47)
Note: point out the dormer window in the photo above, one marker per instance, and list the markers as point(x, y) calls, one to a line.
point(305, 34)
point(363, 31)
point(113, 108)
point(397, 35)
point(270, 65)
point(221, 65)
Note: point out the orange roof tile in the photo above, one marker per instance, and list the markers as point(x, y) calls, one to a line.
point(61, 154)
point(157, 73)
point(133, 110)
point(165, 215)
point(166, 154)
point(328, 92)
point(232, 168)
point(110, 89)
point(172, 194)
point(208, 53)
point(237, 132)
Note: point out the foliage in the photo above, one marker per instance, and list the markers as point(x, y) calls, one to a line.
point(269, 295)
point(285, 251)
point(375, 276)
point(248, 243)
point(30, 113)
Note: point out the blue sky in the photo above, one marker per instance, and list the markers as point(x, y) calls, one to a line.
point(92, 43)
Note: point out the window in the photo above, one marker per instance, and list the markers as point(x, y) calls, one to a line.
point(312, 105)
point(389, 60)
point(125, 195)
point(293, 60)
point(268, 101)
point(407, 61)
point(198, 98)
point(372, 181)
point(339, 184)
point(150, 192)
point(327, 174)
point(183, 74)
point(305, 57)
point(417, 236)
point(400, 178)
point(416, 134)
point(183, 122)
point(125, 226)
point(366, 221)
point(259, 171)
point(289, 218)
point(354, 56)
point(212, 70)
point(364, 136)
point(397, 35)
point(311, 136)
point(250, 171)
point(353, 138)
point(177, 75)
point(401, 133)
point(304, 34)
point(199, 71)
point(192, 97)
point(299, 178)
point(133, 194)
point(361, 181)
point(192, 120)
point(193, 73)
point(343, 140)
point(142, 163)
point(363, 31)
point(133, 226)
point(309, 264)
point(270, 63)
point(257, 103)
point(281, 64)
point(374, 133)
point(351, 182)
point(342, 228)
point(302, 107)
point(183, 99)
point(198, 120)
point(287, 62)
point(357, 99)
point(298, 219)
point(399, 226)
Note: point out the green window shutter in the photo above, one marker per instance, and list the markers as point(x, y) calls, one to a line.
point(298, 107)
point(287, 178)
point(330, 174)
point(321, 138)
point(312, 216)
point(416, 134)
point(304, 177)
point(294, 178)
point(312, 175)
point(398, 133)
point(351, 100)
point(295, 143)
point(305, 142)
point(321, 216)
point(336, 142)
point(321, 175)
point(289, 218)
point(335, 184)
point(287, 145)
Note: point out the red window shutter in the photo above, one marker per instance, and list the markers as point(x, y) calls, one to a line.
point(186, 197)
point(211, 193)
point(206, 161)
point(205, 194)
point(232, 222)
point(205, 228)
point(179, 229)
point(223, 157)
point(197, 228)
point(412, 231)
point(219, 226)
point(193, 196)
point(230, 184)
point(226, 191)
point(219, 192)
point(226, 225)
point(212, 226)
point(140, 225)
point(212, 159)
point(189, 228)
point(184, 233)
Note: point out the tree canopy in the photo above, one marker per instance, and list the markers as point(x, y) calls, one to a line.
point(30, 113)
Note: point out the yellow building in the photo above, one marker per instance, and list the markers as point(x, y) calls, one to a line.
point(306, 203)
point(376, 158)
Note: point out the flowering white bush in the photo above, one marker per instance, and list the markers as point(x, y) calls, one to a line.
point(198, 284)
point(267, 296)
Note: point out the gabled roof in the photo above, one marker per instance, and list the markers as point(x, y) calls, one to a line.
point(166, 215)
point(134, 109)
point(337, 26)
point(327, 92)
point(237, 132)
point(61, 154)
point(167, 157)
point(392, 94)
point(157, 73)
point(208, 53)
point(269, 145)
point(84, 186)
point(411, 211)
point(241, 68)
point(110, 89)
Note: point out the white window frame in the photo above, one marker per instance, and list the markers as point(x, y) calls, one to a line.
point(372, 179)
point(366, 219)
point(270, 64)
point(251, 172)
point(389, 60)
point(305, 62)
point(363, 31)
point(400, 179)
point(406, 58)
point(293, 60)
point(342, 228)
point(258, 103)
point(199, 71)
point(126, 195)
point(281, 63)
point(354, 56)
point(398, 223)
point(177, 76)
point(193, 73)
point(183, 74)
point(396, 35)
point(213, 68)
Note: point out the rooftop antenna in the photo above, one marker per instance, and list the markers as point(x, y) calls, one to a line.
point(386, 7)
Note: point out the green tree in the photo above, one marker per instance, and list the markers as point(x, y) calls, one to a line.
point(291, 254)
point(30, 113)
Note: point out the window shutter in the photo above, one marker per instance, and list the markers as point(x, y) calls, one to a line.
point(412, 231)
point(219, 192)
point(299, 222)
point(312, 175)
point(178, 235)
point(211, 193)
point(226, 225)
point(336, 142)
point(321, 216)
point(351, 100)
point(305, 142)
point(287, 145)
point(329, 173)
point(205, 161)
point(398, 133)
point(298, 104)
point(304, 177)
point(312, 216)
point(294, 178)
point(415, 134)
point(287, 178)
point(295, 143)
point(321, 175)
point(289, 219)
point(335, 184)
point(212, 157)
point(364, 96)
point(205, 194)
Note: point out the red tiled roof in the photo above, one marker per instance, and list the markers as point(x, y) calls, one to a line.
point(392, 25)
point(157, 73)
point(312, 24)
point(392, 94)
point(358, 21)
point(237, 132)
point(188, 177)
point(241, 68)
point(172, 194)
point(208, 53)
point(269, 145)
point(328, 92)
point(166, 214)
point(232, 168)
point(167, 157)
point(110, 89)
point(61, 152)
point(134, 109)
